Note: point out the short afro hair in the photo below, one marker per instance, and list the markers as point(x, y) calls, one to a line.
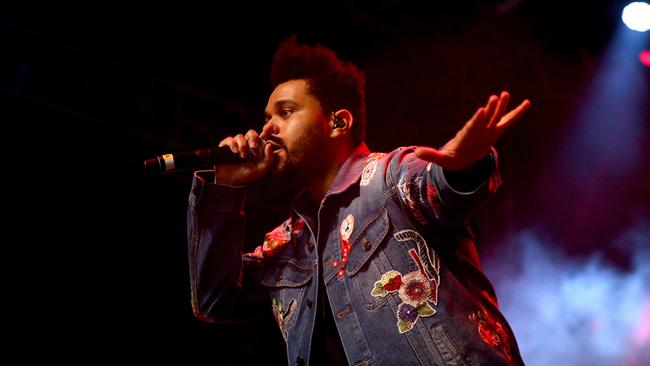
point(335, 83)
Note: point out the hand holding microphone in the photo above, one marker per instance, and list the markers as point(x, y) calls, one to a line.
point(238, 160)
point(249, 170)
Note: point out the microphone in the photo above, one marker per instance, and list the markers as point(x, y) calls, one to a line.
point(198, 159)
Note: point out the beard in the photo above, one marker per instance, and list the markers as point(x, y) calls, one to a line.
point(305, 162)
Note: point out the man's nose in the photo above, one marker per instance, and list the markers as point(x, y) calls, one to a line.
point(270, 128)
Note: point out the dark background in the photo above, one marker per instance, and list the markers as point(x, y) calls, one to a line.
point(98, 251)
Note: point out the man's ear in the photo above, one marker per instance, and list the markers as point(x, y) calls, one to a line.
point(341, 123)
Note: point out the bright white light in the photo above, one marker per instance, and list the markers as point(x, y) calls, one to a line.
point(637, 16)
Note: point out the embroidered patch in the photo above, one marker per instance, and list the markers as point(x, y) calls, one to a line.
point(297, 226)
point(390, 281)
point(408, 315)
point(492, 332)
point(375, 156)
point(257, 253)
point(433, 200)
point(425, 258)
point(347, 225)
point(409, 191)
point(281, 315)
point(280, 236)
point(345, 231)
point(414, 290)
point(417, 289)
point(368, 173)
point(495, 178)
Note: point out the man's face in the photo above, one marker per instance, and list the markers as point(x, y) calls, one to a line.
point(300, 129)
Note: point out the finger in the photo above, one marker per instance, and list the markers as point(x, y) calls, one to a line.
point(501, 108)
point(231, 143)
point(268, 160)
point(253, 139)
point(224, 142)
point(490, 107)
point(513, 115)
point(243, 145)
point(478, 117)
point(431, 154)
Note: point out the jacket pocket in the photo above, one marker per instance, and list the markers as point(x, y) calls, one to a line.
point(367, 262)
point(287, 272)
point(366, 242)
point(287, 280)
point(445, 347)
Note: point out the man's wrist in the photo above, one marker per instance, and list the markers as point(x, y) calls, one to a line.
point(472, 177)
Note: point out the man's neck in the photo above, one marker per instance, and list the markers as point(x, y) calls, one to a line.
point(320, 185)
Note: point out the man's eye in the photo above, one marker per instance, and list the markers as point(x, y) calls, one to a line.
point(286, 113)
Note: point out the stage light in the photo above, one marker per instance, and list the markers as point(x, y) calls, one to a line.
point(637, 16)
point(644, 57)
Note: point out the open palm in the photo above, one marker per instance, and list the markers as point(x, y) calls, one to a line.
point(477, 136)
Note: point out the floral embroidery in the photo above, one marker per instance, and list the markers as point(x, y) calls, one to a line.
point(415, 294)
point(282, 316)
point(389, 282)
point(408, 315)
point(417, 289)
point(492, 332)
point(279, 237)
point(347, 225)
point(413, 288)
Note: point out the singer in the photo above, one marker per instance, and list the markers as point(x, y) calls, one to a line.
point(376, 263)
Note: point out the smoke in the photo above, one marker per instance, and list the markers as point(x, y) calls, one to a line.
point(567, 311)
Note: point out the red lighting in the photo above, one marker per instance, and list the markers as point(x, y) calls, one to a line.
point(644, 56)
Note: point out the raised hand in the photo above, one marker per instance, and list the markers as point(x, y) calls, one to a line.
point(475, 139)
point(247, 171)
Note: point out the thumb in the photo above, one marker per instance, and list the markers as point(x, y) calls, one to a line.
point(436, 156)
point(430, 154)
point(264, 164)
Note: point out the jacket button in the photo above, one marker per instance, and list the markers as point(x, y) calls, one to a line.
point(279, 276)
point(300, 361)
point(310, 247)
point(309, 303)
point(366, 244)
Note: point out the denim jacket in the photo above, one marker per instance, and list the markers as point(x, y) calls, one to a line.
point(398, 262)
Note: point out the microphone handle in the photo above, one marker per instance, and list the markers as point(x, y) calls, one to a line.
point(197, 159)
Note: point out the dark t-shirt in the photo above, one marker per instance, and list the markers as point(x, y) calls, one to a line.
point(326, 346)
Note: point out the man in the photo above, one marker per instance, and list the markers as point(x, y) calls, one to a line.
point(375, 264)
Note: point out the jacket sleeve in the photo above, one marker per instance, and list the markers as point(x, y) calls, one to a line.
point(435, 196)
point(215, 230)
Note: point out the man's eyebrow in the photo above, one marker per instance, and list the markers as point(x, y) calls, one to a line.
point(284, 101)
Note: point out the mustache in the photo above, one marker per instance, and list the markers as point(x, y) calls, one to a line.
point(275, 141)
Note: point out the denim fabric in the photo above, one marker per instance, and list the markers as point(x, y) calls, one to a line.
point(408, 290)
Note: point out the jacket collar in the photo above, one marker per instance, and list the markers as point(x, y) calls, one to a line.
point(350, 171)
point(348, 174)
